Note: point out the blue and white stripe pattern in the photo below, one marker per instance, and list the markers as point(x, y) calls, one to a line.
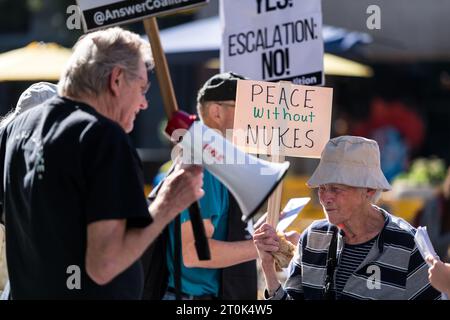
point(351, 258)
point(402, 270)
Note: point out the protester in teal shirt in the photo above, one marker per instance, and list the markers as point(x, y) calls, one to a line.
point(231, 271)
point(214, 206)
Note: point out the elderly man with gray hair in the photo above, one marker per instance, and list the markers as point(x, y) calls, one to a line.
point(359, 251)
point(77, 220)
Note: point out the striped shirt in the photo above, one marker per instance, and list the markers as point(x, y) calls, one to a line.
point(351, 258)
point(394, 262)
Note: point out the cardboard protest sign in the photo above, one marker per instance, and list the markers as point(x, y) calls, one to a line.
point(282, 118)
point(105, 13)
point(273, 40)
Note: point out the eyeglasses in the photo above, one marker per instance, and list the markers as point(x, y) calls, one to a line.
point(144, 88)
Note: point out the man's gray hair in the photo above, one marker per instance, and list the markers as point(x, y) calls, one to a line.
point(96, 54)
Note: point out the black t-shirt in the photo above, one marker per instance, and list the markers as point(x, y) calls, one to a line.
point(63, 166)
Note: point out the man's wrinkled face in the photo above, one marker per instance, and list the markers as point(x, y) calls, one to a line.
point(218, 115)
point(228, 108)
point(132, 99)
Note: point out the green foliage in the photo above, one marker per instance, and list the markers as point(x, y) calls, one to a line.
point(423, 172)
point(35, 5)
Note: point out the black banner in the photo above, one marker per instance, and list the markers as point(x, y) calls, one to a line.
point(132, 10)
point(310, 79)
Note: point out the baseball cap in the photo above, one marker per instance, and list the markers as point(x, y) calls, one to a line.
point(220, 87)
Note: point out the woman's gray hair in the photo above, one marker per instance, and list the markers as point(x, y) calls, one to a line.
point(376, 196)
point(96, 54)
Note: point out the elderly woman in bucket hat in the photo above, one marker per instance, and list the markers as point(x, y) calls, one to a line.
point(359, 251)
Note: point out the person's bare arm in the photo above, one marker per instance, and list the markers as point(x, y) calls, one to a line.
point(111, 248)
point(223, 253)
point(266, 242)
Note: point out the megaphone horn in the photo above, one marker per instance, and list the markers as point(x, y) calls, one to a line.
point(250, 180)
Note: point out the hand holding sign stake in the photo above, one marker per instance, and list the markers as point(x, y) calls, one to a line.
point(273, 210)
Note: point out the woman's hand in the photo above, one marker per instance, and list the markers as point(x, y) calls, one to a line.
point(292, 236)
point(266, 242)
point(439, 275)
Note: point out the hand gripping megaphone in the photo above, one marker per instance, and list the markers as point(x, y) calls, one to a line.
point(249, 179)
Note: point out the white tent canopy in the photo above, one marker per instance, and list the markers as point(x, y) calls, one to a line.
point(205, 35)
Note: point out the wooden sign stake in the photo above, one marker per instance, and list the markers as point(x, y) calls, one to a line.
point(162, 69)
point(273, 207)
point(170, 106)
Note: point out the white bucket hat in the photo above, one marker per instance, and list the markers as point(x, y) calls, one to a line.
point(352, 161)
point(36, 94)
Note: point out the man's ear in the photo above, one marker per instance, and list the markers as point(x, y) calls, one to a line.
point(115, 80)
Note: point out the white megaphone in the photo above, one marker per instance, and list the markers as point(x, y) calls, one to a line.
point(249, 179)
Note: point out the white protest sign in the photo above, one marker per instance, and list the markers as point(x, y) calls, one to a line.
point(288, 215)
point(424, 245)
point(273, 40)
point(290, 212)
point(104, 13)
point(282, 118)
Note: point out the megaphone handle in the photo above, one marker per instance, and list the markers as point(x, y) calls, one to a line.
point(198, 228)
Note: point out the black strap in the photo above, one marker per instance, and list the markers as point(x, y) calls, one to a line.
point(331, 266)
point(154, 263)
point(177, 258)
point(198, 229)
point(239, 282)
